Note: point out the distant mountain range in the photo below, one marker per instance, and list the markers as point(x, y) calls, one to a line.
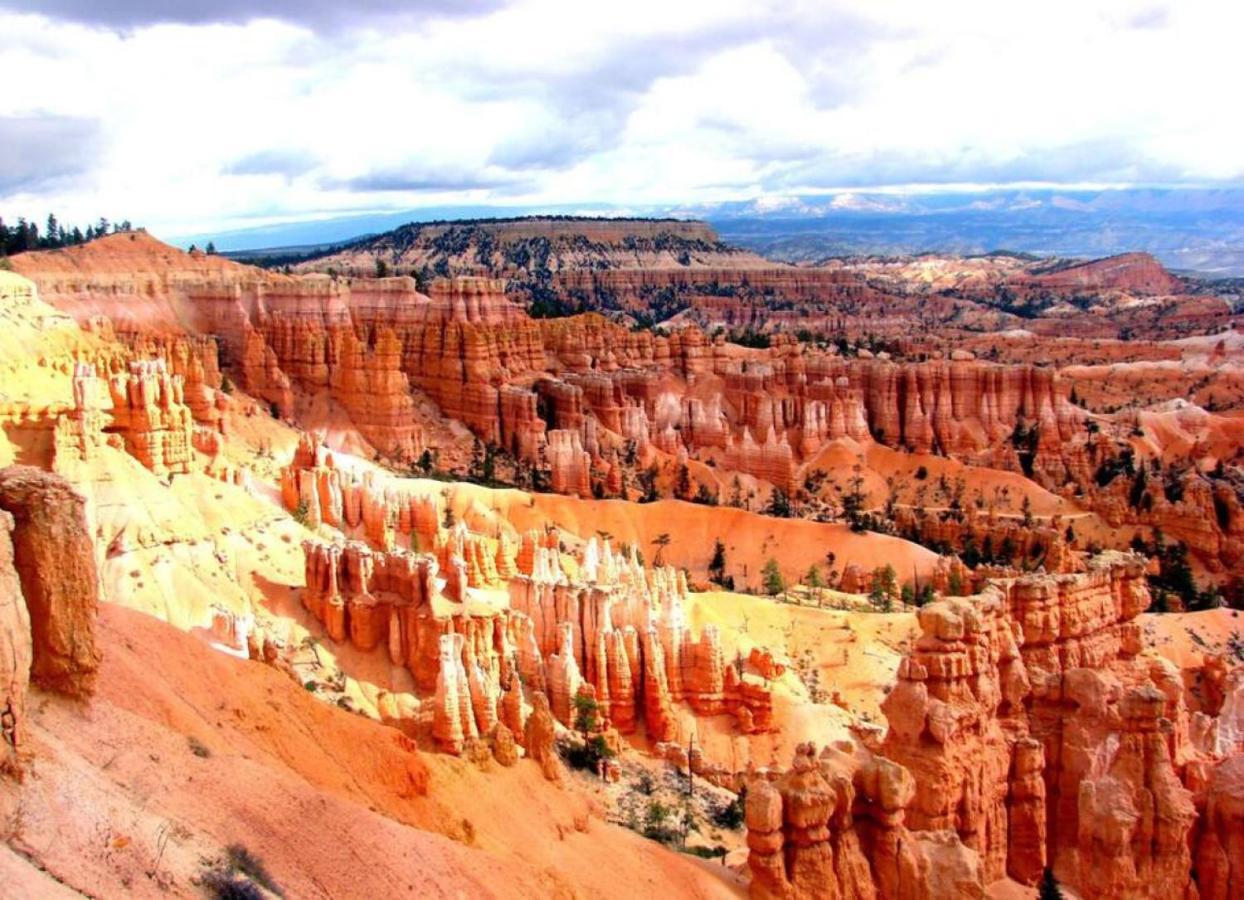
point(1189, 230)
point(1194, 230)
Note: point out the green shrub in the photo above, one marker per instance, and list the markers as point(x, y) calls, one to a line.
point(730, 815)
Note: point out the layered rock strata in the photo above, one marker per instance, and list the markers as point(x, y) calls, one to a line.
point(1040, 733)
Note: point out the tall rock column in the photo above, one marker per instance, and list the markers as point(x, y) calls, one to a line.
point(55, 561)
point(15, 654)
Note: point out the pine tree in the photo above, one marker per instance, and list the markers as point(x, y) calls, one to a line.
point(1049, 889)
point(772, 578)
point(717, 565)
point(682, 489)
point(490, 464)
point(779, 504)
point(884, 587)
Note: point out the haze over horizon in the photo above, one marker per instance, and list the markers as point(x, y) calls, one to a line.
point(200, 117)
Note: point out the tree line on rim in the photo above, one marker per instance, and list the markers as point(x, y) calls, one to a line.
point(25, 235)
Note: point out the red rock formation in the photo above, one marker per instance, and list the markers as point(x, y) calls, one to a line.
point(1027, 854)
point(1220, 852)
point(588, 401)
point(15, 655)
point(993, 536)
point(55, 559)
point(541, 738)
point(453, 719)
point(376, 394)
point(569, 466)
point(1026, 730)
point(504, 747)
point(147, 409)
point(475, 354)
point(1138, 273)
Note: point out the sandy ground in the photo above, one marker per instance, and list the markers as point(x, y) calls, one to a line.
point(1187, 638)
point(750, 539)
point(852, 654)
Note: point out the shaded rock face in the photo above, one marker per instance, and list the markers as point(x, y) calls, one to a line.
point(541, 738)
point(1220, 852)
point(55, 561)
point(15, 654)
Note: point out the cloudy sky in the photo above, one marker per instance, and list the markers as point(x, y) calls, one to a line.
point(204, 114)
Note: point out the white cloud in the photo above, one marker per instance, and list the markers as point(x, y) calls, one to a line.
point(545, 101)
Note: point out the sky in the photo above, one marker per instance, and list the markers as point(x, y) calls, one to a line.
point(198, 115)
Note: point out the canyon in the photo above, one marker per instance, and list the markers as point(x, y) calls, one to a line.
point(928, 599)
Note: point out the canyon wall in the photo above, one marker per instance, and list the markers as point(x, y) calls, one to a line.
point(588, 403)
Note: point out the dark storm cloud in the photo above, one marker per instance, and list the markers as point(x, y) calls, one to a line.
point(290, 163)
point(36, 152)
point(312, 13)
